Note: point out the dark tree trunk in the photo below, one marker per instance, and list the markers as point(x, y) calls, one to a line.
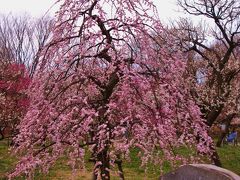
point(228, 121)
point(120, 169)
point(103, 167)
point(221, 138)
point(94, 175)
point(212, 115)
point(103, 157)
point(2, 133)
point(211, 118)
point(215, 158)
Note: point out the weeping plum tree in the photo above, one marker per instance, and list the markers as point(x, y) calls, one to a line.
point(104, 84)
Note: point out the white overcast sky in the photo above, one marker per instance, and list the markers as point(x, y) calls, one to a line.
point(166, 8)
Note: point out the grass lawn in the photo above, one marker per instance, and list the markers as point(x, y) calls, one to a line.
point(230, 157)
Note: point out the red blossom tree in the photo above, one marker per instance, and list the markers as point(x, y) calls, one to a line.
point(14, 82)
point(106, 85)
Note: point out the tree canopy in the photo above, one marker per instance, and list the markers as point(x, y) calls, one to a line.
point(104, 83)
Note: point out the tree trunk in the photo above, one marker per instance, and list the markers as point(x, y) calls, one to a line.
point(2, 133)
point(215, 158)
point(228, 121)
point(212, 115)
point(221, 138)
point(103, 157)
point(120, 169)
point(94, 175)
point(104, 167)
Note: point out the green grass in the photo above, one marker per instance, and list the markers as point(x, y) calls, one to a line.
point(230, 157)
point(62, 171)
point(6, 160)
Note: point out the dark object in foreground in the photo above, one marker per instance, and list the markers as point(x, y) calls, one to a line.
point(200, 172)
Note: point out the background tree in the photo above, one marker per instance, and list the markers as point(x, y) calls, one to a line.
point(22, 37)
point(14, 82)
point(213, 53)
point(94, 90)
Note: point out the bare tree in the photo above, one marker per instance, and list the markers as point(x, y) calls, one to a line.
point(21, 38)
